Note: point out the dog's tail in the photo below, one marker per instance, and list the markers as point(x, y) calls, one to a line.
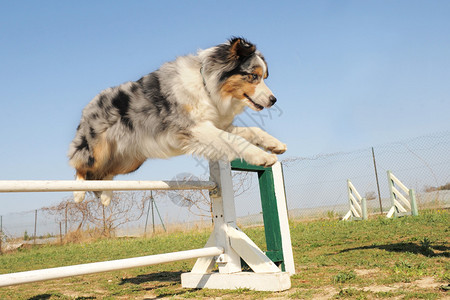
point(81, 151)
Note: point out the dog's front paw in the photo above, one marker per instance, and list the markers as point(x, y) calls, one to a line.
point(264, 160)
point(278, 148)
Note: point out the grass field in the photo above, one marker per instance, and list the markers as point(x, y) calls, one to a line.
point(404, 258)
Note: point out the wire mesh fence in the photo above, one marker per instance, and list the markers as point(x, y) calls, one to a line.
point(315, 187)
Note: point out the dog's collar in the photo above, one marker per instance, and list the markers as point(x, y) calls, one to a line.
point(204, 81)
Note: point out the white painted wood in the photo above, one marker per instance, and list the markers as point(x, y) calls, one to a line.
point(401, 198)
point(399, 206)
point(354, 190)
point(354, 199)
point(97, 267)
point(399, 183)
point(355, 212)
point(347, 215)
point(355, 203)
point(274, 282)
point(7, 186)
point(390, 212)
point(250, 253)
point(224, 215)
point(280, 194)
point(206, 264)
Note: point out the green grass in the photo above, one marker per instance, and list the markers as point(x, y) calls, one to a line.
point(404, 258)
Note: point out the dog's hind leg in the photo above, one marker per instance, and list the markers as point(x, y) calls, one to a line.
point(106, 196)
point(79, 196)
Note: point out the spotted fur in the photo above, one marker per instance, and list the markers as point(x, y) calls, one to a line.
point(185, 107)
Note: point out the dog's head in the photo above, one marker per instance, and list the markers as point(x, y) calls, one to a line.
point(242, 73)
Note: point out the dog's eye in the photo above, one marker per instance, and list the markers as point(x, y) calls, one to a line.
point(254, 77)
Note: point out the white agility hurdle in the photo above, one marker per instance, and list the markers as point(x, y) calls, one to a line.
point(226, 246)
point(400, 204)
point(358, 204)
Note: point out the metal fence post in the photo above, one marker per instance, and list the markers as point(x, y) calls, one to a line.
point(378, 183)
point(60, 233)
point(35, 225)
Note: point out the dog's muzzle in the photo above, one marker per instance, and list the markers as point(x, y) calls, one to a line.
point(272, 100)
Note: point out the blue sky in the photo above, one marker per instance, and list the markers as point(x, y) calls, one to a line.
point(347, 74)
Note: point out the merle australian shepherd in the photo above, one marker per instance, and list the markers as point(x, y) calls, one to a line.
point(185, 107)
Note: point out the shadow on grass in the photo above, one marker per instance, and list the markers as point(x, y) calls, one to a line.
point(49, 296)
point(174, 277)
point(41, 297)
point(429, 251)
point(161, 283)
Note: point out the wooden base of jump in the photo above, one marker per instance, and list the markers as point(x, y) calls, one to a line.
point(272, 282)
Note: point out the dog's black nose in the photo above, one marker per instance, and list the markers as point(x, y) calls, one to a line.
point(272, 100)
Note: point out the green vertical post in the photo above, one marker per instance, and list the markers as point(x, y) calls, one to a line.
point(412, 197)
point(270, 214)
point(269, 209)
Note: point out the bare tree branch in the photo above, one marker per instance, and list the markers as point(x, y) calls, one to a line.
point(124, 208)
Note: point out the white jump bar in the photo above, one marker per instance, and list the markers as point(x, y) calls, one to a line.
point(105, 266)
point(8, 186)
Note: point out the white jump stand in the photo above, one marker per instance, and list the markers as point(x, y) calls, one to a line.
point(266, 276)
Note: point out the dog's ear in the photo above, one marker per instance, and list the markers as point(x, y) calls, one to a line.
point(240, 48)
